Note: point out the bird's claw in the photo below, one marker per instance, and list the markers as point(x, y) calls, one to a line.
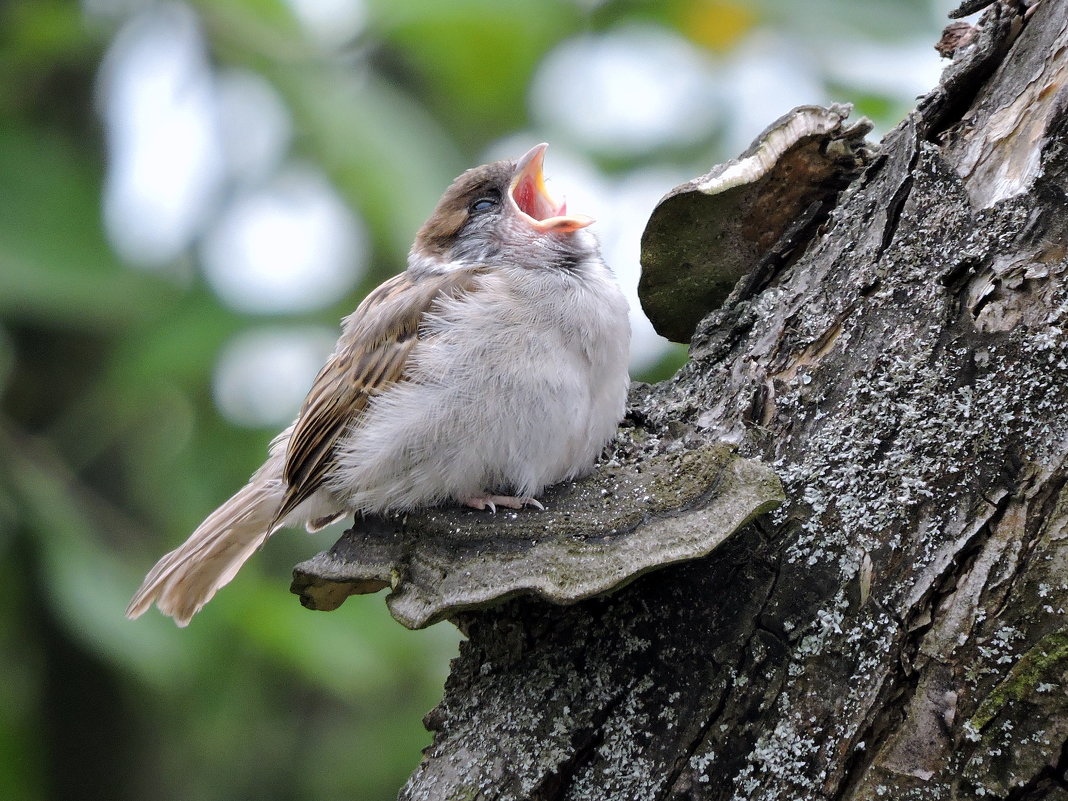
point(491, 502)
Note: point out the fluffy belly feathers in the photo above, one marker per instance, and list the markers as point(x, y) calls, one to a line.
point(465, 422)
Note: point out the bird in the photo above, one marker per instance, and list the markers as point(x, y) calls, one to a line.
point(494, 366)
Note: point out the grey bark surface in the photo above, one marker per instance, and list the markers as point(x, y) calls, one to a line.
point(897, 628)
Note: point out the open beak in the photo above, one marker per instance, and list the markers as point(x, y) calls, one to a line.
point(531, 199)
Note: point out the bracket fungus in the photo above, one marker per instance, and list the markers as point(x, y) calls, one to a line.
point(595, 535)
point(746, 217)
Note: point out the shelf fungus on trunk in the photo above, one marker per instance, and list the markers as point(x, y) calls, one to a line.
point(748, 217)
point(634, 514)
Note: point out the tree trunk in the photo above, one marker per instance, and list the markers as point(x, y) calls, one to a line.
point(896, 629)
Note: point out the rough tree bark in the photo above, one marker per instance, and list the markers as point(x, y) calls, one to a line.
point(896, 629)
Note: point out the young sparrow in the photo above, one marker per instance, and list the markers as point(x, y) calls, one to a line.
point(497, 362)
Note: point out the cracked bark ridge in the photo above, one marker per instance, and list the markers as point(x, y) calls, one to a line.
point(897, 628)
point(595, 535)
point(746, 217)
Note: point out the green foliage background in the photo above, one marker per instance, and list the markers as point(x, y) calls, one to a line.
point(111, 448)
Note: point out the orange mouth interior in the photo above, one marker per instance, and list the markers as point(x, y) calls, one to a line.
point(532, 199)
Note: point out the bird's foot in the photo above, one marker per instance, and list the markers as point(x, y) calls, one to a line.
point(491, 502)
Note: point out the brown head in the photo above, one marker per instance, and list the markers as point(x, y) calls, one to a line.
point(499, 211)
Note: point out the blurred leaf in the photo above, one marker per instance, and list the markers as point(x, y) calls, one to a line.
point(258, 30)
point(42, 30)
point(7, 359)
point(368, 651)
point(86, 586)
point(885, 111)
point(386, 155)
point(55, 267)
point(717, 24)
point(20, 691)
point(457, 46)
point(820, 22)
point(675, 357)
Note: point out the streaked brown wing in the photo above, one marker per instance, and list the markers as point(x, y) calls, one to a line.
point(371, 355)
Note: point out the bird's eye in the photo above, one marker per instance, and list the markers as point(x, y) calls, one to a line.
point(484, 204)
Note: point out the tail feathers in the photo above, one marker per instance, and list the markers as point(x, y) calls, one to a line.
point(187, 578)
